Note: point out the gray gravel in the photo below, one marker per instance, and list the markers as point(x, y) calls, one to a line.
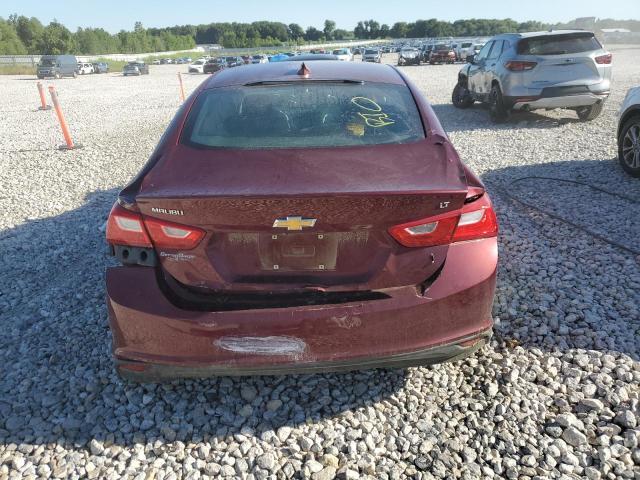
point(555, 395)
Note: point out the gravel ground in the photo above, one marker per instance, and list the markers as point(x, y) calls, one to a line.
point(555, 395)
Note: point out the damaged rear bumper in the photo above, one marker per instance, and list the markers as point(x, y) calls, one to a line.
point(142, 372)
point(154, 340)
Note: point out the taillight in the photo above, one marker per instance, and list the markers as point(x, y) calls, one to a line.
point(126, 228)
point(477, 220)
point(604, 59)
point(173, 235)
point(518, 66)
point(474, 221)
point(428, 232)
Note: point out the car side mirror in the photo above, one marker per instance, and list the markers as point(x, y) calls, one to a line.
point(471, 58)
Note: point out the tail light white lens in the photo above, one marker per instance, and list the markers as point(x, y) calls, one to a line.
point(604, 59)
point(126, 228)
point(470, 218)
point(174, 232)
point(517, 66)
point(422, 229)
point(475, 220)
point(173, 235)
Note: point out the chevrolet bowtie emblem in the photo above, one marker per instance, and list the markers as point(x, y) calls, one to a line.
point(294, 223)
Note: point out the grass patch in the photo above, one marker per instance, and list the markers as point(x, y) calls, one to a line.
point(17, 70)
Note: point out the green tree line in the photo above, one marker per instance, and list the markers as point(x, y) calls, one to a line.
point(23, 35)
point(20, 35)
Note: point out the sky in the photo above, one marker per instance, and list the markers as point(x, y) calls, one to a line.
point(115, 15)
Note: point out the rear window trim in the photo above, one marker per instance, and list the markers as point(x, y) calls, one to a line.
point(183, 140)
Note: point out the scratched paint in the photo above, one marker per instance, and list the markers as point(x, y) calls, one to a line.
point(272, 345)
point(346, 321)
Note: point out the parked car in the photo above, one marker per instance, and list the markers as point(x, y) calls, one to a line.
point(84, 68)
point(343, 54)
point(197, 66)
point(279, 57)
point(409, 56)
point(310, 57)
point(157, 62)
point(234, 61)
point(213, 65)
point(259, 59)
point(372, 55)
point(101, 67)
point(358, 240)
point(442, 53)
point(135, 68)
point(541, 70)
point(57, 66)
point(425, 52)
point(629, 133)
point(464, 50)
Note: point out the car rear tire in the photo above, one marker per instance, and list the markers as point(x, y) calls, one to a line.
point(629, 146)
point(497, 109)
point(461, 97)
point(586, 114)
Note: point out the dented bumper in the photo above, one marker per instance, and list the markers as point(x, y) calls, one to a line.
point(155, 340)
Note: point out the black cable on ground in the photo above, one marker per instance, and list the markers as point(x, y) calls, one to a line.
point(575, 225)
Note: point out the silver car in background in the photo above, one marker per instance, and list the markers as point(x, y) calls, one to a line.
point(540, 70)
point(372, 55)
point(629, 133)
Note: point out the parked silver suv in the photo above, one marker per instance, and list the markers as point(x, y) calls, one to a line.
point(540, 70)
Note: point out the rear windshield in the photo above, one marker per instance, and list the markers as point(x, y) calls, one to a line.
point(370, 52)
point(466, 45)
point(309, 114)
point(559, 44)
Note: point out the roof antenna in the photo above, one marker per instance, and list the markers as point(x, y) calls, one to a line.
point(304, 70)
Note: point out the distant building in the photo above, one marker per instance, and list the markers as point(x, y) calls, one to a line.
point(209, 46)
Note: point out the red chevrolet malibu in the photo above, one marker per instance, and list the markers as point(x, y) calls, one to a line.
point(300, 218)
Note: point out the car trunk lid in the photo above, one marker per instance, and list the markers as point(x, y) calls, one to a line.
point(303, 218)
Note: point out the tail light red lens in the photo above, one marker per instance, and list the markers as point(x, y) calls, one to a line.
point(173, 235)
point(126, 228)
point(517, 66)
point(474, 221)
point(604, 59)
